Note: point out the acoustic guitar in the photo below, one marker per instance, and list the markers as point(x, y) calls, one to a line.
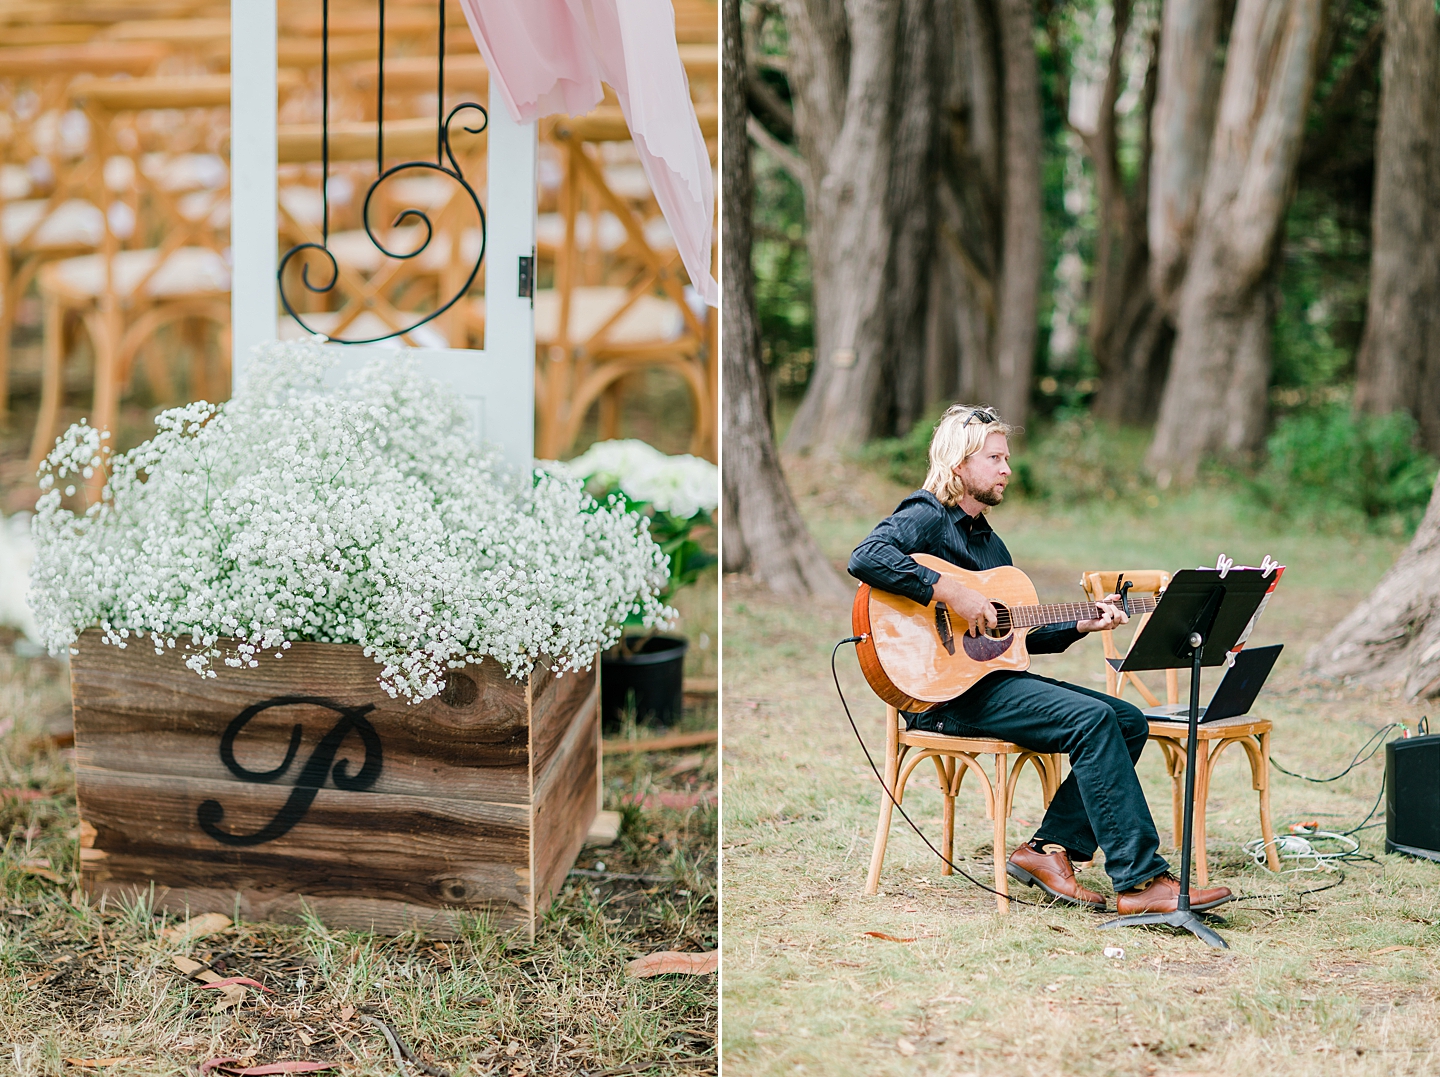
point(917, 657)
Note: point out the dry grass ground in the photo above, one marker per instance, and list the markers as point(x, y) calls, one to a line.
point(88, 982)
point(1340, 982)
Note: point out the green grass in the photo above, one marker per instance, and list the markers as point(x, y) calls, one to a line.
point(1311, 984)
point(80, 980)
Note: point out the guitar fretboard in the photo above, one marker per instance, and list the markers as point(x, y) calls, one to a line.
point(1061, 612)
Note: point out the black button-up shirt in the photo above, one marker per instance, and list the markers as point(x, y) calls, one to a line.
point(921, 524)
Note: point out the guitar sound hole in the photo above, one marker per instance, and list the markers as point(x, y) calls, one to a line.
point(1003, 626)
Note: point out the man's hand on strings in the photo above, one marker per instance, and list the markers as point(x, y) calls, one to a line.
point(1111, 616)
point(967, 603)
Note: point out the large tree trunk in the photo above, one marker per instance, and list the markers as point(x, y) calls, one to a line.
point(1398, 366)
point(1215, 399)
point(1019, 289)
point(1126, 324)
point(1180, 130)
point(762, 531)
point(1394, 634)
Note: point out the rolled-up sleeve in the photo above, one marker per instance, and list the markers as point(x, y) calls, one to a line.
point(883, 560)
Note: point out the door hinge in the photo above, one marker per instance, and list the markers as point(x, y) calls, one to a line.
point(527, 277)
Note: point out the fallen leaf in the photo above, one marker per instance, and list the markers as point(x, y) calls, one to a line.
point(96, 1063)
point(905, 1047)
point(40, 866)
point(1389, 950)
point(347, 1012)
point(243, 981)
point(887, 938)
point(667, 961)
point(234, 993)
point(233, 1066)
point(197, 926)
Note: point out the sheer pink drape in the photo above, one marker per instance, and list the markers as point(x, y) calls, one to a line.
point(550, 56)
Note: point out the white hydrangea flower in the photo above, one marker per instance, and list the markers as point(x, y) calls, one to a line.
point(680, 485)
point(360, 515)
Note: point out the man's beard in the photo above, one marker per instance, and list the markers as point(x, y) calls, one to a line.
point(992, 496)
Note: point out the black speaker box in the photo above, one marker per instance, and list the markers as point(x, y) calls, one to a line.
point(1412, 797)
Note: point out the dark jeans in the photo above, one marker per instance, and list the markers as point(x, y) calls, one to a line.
point(1100, 802)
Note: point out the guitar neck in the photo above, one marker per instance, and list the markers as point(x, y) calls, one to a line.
point(1064, 612)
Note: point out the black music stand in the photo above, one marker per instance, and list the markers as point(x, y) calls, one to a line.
point(1196, 622)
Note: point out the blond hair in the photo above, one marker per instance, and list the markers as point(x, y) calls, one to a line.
point(959, 435)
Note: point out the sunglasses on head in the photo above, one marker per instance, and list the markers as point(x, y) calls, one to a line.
point(985, 415)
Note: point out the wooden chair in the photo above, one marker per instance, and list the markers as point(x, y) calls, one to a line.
point(618, 305)
point(955, 756)
point(1252, 734)
point(162, 259)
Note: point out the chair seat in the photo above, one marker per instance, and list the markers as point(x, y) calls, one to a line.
point(649, 320)
point(919, 738)
point(550, 232)
point(355, 250)
point(73, 223)
point(1241, 726)
point(187, 271)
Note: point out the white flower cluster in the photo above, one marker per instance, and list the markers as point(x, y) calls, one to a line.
point(679, 485)
point(362, 514)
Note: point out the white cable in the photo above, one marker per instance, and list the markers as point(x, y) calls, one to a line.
point(1297, 848)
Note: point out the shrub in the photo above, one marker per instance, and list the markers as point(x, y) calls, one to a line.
point(1331, 460)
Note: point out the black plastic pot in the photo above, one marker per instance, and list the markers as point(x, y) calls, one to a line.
point(652, 675)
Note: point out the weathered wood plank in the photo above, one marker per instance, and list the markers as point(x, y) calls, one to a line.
point(566, 799)
point(553, 707)
point(422, 850)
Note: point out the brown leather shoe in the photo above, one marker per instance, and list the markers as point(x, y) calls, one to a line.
point(1162, 894)
point(1051, 872)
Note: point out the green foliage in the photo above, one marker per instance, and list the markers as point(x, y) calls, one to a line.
point(784, 296)
point(1330, 462)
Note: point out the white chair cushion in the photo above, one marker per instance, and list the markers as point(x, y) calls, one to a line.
point(652, 319)
point(366, 325)
point(188, 271)
point(74, 223)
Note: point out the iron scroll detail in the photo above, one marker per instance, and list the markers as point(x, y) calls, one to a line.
point(445, 164)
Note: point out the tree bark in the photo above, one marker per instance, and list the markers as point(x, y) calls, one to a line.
point(1019, 286)
point(1394, 635)
point(762, 532)
point(1180, 130)
point(1214, 399)
point(1398, 365)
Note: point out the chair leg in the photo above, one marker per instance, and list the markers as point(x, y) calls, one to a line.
point(887, 805)
point(51, 381)
point(1202, 795)
point(1002, 816)
point(1267, 828)
point(947, 813)
point(105, 411)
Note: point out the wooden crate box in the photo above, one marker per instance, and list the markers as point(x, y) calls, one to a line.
point(300, 783)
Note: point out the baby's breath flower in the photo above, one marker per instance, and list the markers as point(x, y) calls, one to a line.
point(359, 515)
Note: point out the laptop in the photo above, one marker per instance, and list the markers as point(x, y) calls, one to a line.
point(1236, 692)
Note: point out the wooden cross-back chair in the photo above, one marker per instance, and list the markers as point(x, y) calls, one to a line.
point(162, 259)
point(619, 303)
point(1252, 734)
point(47, 151)
point(954, 757)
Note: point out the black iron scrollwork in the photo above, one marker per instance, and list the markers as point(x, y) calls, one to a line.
point(312, 775)
point(414, 217)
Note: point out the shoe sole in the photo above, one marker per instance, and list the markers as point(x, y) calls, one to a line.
point(1019, 874)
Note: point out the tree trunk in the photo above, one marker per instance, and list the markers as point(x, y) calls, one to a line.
point(1394, 634)
point(1180, 138)
point(761, 529)
point(1019, 287)
point(1398, 365)
point(1214, 399)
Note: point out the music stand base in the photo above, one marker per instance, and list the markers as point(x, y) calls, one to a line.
point(1186, 919)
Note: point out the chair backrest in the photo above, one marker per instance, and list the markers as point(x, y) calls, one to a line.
point(1150, 582)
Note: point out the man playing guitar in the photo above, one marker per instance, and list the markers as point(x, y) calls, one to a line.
point(1100, 803)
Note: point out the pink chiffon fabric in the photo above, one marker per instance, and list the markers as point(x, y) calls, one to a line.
point(549, 56)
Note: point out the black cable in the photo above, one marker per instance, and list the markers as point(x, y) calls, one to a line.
point(1354, 762)
point(870, 759)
